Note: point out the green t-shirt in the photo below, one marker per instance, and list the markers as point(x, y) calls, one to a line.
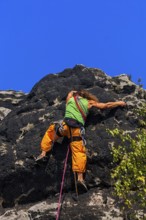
point(73, 112)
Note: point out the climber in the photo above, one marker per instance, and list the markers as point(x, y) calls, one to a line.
point(78, 104)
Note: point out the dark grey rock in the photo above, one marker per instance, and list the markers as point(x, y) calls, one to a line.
point(8, 101)
point(22, 180)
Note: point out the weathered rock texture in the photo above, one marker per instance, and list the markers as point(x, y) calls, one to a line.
point(8, 101)
point(23, 125)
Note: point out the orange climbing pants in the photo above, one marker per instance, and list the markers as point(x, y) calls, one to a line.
point(78, 149)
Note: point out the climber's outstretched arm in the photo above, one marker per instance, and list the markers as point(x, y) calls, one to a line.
point(106, 105)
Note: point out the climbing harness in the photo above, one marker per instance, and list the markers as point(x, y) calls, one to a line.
point(62, 184)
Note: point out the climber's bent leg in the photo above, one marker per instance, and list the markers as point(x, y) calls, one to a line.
point(48, 139)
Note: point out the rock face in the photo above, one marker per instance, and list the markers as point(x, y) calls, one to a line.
point(24, 121)
point(8, 101)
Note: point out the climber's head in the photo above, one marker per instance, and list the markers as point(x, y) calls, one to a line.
point(87, 95)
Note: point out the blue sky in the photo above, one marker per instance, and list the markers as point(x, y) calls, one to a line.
point(38, 37)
